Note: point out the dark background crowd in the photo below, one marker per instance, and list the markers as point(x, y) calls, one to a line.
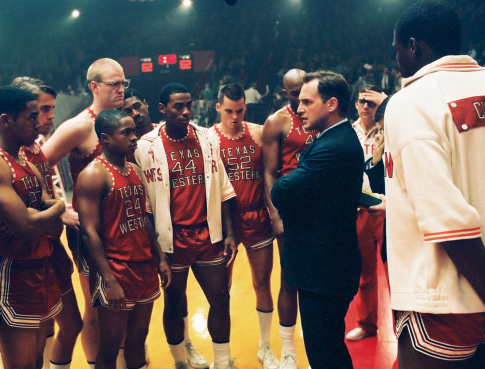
point(254, 41)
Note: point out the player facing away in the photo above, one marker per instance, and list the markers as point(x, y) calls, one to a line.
point(188, 189)
point(125, 255)
point(240, 150)
point(77, 139)
point(58, 352)
point(284, 139)
point(136, 107)
point(29, 291)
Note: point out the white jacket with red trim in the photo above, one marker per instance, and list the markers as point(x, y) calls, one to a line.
point(150, 156)
point(435, 183)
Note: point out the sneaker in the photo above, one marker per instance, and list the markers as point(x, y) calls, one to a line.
point(288, 360)
point(267, 358)
point(181, 365)
point(230, 366)
point(358, 334)
point(195, 359)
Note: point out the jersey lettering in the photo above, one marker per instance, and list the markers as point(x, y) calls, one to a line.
point(388, 165)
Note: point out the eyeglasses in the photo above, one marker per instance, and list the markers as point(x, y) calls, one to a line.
point(361, 102)
point(117, 84)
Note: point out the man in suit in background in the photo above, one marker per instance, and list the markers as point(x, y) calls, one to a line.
point(318, 204)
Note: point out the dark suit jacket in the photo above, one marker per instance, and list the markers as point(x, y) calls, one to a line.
point(318, 204)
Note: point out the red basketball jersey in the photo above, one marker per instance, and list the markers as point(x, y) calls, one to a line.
point(187, 184)
point(294, 144)
point(29, 189)
point(243, 161)
point(35, 155)
point(123, 216)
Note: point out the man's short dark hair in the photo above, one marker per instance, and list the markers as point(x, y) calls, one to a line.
point(131, 92)
point(331, 84)
point(170, 89)
point(434, 22)
point(381, 110)
point(13, 100)
point(369, 87)
point(232, 91)
point(34, 85)
point(107, 121)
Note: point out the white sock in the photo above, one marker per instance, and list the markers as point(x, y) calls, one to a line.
point(222, 355)
point(178, 352)
point(264, 326)
point(91, 364)
point(120, 360)
point(187, 330)
point(47, 351)
point(60, 366)
point(1, 362)
point(288, 339)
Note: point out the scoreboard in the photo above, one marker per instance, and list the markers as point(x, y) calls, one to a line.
point(166, 63)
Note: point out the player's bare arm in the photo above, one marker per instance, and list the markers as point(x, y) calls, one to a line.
point(68, 136)
point(271, 138)
point(256, 132)
point(230, 245)
point(24, 224)
point(93, 185)
point(163, 267)
point(469, 258)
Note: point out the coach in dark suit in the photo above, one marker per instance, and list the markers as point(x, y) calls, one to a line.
point(318, 204)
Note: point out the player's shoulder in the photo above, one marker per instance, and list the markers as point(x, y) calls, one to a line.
point(80, 123)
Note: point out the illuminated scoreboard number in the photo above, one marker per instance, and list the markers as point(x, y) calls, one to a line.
point(146, 65)
point(185, 62)
point(167, 59)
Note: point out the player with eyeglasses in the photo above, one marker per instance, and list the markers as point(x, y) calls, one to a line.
point(77, 138)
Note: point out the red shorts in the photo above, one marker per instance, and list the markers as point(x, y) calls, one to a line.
point(62, 265)
point(192, 245)
point(443, 336)
point(253, 228)
point(29, 293)
point(74, 241)
point(138, 279)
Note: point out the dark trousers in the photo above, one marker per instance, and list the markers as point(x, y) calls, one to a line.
point(322, 320)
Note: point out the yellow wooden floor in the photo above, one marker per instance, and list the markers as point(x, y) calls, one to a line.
point(244, 327)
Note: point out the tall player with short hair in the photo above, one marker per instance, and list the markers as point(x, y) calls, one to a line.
point(188, 190)
point(29, 291)
point(77, 139)
point(284, 139)
point(240, 148)
point(126, 257)
point(58, 353)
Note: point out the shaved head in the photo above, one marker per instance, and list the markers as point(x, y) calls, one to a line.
point(100, 66)
point(293, 76)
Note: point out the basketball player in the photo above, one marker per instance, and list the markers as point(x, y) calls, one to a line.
point(29, 291)
point(58, 353)
point(240, 149)
point(188, 189)
point(284, 139)
point(77, 138)
point(126, 257)
point(136, 107)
